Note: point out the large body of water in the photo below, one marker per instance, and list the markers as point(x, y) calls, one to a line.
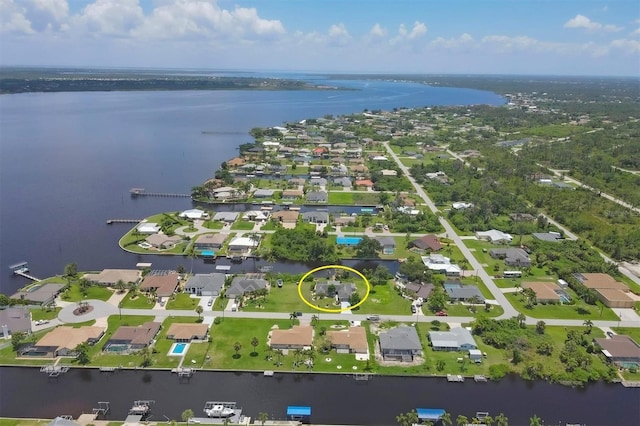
point(67, 162)
point(333, 398)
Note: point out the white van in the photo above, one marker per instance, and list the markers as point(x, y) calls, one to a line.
point(234, 307)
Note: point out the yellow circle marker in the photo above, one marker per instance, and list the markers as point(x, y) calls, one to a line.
point(346, 268)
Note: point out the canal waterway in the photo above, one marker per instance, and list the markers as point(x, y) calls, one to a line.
point(333, 398)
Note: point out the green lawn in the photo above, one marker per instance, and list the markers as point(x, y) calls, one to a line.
point(211, 224)
point(341, 198)
point(44, 313)
point(182, 301)
point(270, 226)
point(141, 301)
point(242, 225)
point(558, 311)
point(161, 359)
point(284, 299)
point(23, 422)
point(73, 293)
point(634, 333)
point(384, 299)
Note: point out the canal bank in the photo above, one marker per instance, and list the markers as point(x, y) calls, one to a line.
point(335, 399)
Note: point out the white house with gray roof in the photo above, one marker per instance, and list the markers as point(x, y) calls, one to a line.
point(242, 285)
point(456, 339)
point(315, 217)
point(400, 344)
point(205, 284)
point(226, 216)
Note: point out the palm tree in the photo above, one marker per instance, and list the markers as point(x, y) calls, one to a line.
point(314, 320)
point(502, 420)
point(488, 420)
point(254, 343)
point(236, 347)
point(262, 418)
point(521, 319)
point(535, 421)
point(199, 310)
point(296, 356)
point(462, 420)
point(446, 418)
point(589, 324)
point(293, 316)
point(540, 326)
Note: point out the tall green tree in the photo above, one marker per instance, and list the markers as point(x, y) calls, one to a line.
point(367, 248)
point(254, 343)
point(82, 353)
point(199, 311)
point(187, 414)
point(236, 347)
point(70, 272)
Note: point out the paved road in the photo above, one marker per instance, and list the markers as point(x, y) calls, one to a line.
point(509, 311)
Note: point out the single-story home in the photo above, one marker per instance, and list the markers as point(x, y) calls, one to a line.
point(400, 344)
point(205, 284)
point(366, 183)
point(210, 241)
point(388, 244)
point(62, 341)
point(621, 350)
point(552, 237)
point(162, 241)
point(291, 194)
point(342, 181)
point(351, 340)
point(286, 216)
point(228, 217)
point(110, 277)
point(128, 338)
point(600, 280)
point(164, 283)
point(263, 193)
point(297, 337)
point(419, 289)
point(148, 228)
point(513, 256)
point(256, 215)
point(243, 244)
point(342, 291)
point(40, 294)
point(614, 298)
point(494, 236)
point(194, 214)
point(461, 205)
point(243, 285)
point(458, 292)
point(546, 291)
point(15, 319)
point(427, 242)
point(317, 197)
point(186, 332)
point(456, 339)
point(441, 264)
point(389, 172)
point(344, 220)
point(315, 217)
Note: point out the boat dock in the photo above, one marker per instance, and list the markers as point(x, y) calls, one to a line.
point(213, 416)
point(112, 221)
point(480, 378)
point(140, 192)
point(21, 269)
point(455, 378)
point(54, 370)
point(108, 369)
point(141, 409)
point(184, 372)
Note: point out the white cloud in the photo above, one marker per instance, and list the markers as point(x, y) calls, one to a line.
point(109, 17)
point(581, 21)
point(338, 35)
point(417, 31)
point(12, 18)
point(465, 40)
point(626, 45)
point(377, 31)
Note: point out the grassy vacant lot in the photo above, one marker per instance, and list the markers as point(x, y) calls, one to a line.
point(562, 311)
point(73, 293)
point(384, 299)
point(213, 224)
point(182, 301)
point(139, 301)
point(242, 225)
point(283, 299)
point(44, 313)
point(341, 198)
point(23, 422)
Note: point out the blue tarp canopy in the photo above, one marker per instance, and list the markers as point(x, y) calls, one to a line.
point(348, 241)
point(430, 413)
point(293, 410)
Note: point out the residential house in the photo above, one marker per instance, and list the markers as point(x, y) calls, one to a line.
point(243, 285)
point(458, 292)
point(621, 350)
point(494, 236)
point(318, 181)
point(364, 183)
point(422, 290)
point(148, 228)
point(441, 264)
point(210, 241)
point(162, 241)
point(427, 242)
point(315, 217)
point(43, 294)
point(546, 291)
point(342, 291)
point(513, 256)
point(256, 216)
point(388, 244)
point(243, 244)
point(614, 298)
point(461, 205)
point(599, 280)
point(317, 197)
point(263, 193)
point(186, 332)
point(63, 340)
point(205, 284)
point(297, 337)
point(228, 217)
point(15, 319)
point(236, 162)
point(351, 340)
point(286, 216)
point(456, 339)
point(128, 339)
point(292, 194)
point(344, 220)
point(163, 283)
point(552, 237)
point(400, 344)
point(194, 214)
point(388, 172)
point(111, 277)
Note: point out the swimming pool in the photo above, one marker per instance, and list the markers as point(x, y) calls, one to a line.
point(178, 349)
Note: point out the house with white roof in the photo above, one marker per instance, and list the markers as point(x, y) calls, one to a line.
point(439, 263)
point(494, 236)
point(456, 339)
point(243, 244)
point(148, 228)
point(194, 214)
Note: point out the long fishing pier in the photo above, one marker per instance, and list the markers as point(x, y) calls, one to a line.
point(140, 192)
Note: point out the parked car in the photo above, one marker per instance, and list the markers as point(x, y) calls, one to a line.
point(298, 314)
point(210, 302)
point(373, 318)
point(610, 333)
point(413, 309)
point(441, 314)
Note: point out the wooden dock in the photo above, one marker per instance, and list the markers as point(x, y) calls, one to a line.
point(480, 378)
point(54, 370)
point(455, 378)
point(140, 192)
point(112, 221)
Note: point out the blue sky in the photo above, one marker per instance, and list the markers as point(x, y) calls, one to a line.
point(561, 37)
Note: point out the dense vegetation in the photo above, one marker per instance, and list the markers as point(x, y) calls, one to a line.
point(302, 244)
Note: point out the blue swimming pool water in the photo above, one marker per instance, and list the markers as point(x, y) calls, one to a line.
point(178, 349)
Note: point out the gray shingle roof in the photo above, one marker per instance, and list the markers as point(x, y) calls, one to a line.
point(242, 285)
point(400, 338)
point(455, 338)
point(208, 282)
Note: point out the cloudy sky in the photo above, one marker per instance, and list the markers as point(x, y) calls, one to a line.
point(576, 37)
